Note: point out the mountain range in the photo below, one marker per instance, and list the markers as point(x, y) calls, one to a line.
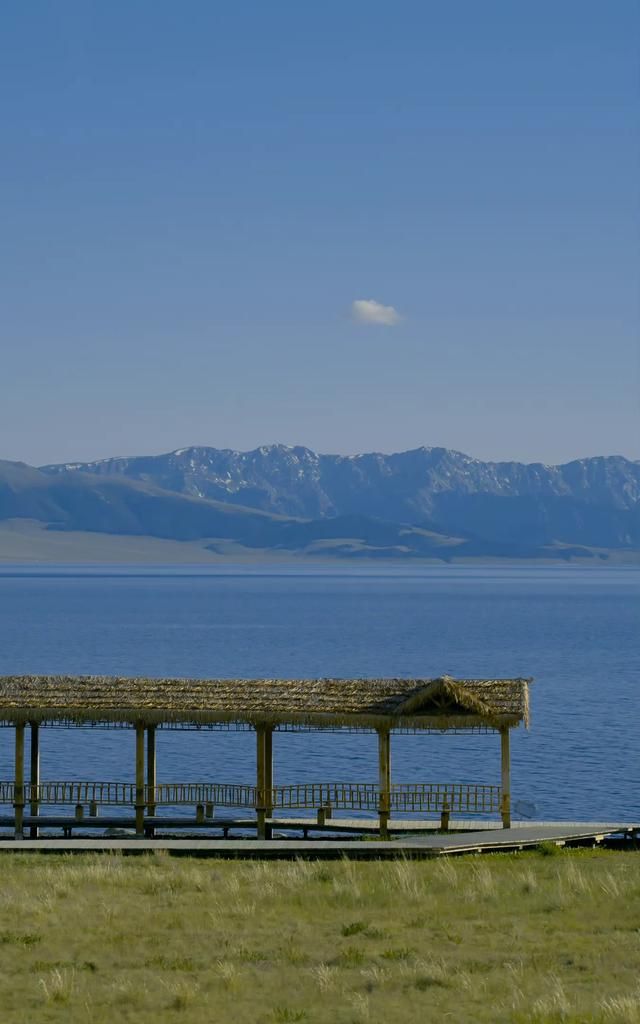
point(428, 502)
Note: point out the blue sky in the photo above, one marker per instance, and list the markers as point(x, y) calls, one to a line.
point(195, 194)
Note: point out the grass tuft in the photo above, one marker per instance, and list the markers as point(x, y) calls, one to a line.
point(399, 953)
point(285, 1015)
point(58, 986)
point(549, 849)
point(182, 994)
point(351, 956)
point(355, 928)
point(19, 938)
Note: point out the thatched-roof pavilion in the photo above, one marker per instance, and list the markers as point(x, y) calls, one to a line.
point(383, 705)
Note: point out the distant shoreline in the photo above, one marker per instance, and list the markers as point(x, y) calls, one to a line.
point(25, 542)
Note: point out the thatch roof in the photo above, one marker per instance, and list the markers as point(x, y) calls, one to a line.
point(444, 703)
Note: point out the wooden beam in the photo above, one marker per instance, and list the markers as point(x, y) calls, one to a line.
point(384, 773)
point(151, 775)
point(505, 801)
point(139, 778)
point(34, 775)
point(18, 791)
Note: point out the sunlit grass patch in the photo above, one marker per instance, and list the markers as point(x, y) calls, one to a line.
point(529, 939)
point(621, 1009)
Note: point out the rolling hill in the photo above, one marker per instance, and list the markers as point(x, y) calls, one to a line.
point(427, 503)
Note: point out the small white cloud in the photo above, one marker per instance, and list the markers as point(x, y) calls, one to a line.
point(368, 311)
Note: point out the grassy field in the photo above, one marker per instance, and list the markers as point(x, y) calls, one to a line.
point(521, 938)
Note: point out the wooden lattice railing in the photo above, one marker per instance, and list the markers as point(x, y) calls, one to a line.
point(459, 796)
point(468, 798)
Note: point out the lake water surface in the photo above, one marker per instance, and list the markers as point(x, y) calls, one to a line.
point(575, 630)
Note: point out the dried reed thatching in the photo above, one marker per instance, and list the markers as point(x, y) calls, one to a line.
point(443, 703)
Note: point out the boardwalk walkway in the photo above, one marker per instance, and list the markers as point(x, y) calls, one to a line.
point(519, 837)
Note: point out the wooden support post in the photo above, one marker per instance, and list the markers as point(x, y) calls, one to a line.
point(268, 770)
point(139, 805)
point(18, 785)
point(505, 802)
point(34, 776)
point(151, 776)
point(444, 816)
point(261, 783)
point(324, 813)
point(384, 770)
point(261, 818)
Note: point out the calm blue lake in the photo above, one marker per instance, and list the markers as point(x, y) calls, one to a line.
point(576, 630)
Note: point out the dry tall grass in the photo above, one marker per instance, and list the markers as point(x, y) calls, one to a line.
point(523, 938)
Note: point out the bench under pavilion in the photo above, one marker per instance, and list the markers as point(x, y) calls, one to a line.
point(382, 706)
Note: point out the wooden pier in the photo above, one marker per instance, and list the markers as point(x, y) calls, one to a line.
point(383, 707)
point(262, 818)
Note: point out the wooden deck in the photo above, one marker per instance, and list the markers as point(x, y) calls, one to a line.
point(124, 819)
point(519, 837)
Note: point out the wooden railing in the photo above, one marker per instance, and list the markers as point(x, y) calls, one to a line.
point(457, 797)
point(7, 794)
point(121, 793)
point(352, 796)
point(469, 798)
point(219, 794)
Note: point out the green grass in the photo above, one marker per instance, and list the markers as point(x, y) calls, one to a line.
point(522, 938)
